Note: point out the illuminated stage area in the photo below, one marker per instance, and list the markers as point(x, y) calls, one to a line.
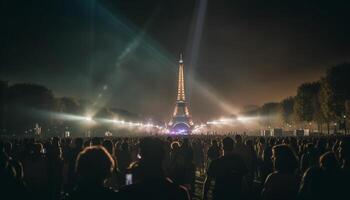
point(181, 122)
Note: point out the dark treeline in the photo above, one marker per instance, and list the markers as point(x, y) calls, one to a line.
point(323, 105)
point(23, 105)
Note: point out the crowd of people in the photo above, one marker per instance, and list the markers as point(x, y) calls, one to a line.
point(176, 167)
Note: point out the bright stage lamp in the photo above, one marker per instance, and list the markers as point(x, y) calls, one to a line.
point(88, 118)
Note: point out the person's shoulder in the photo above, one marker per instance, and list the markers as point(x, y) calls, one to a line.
point(178, 190)
point(312, 171)
point(217, 161)
point(272, 176)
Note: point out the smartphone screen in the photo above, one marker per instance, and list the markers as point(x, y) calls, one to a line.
point(128, 179)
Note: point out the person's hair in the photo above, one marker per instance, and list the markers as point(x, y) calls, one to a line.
point(238, 139)
point(249, 143)
point(185, 142)
point(109, 146)
point(150, 164)
point(344, 149)
point(78, 142)
point(328, 161)
point(284, 159)
point(96, 141)
point(37, 148)
point(8, 147)
point(87, 143)
point(175, 145)
point(152, 150)
point(94, 164)
point(124, 146)
point(227, 144)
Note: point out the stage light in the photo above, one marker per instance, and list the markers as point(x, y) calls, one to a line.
point(88, 118)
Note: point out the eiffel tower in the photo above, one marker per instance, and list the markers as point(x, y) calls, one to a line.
point(181, 122)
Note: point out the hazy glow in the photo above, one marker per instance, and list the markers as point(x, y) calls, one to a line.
point(140, 39)
point(88, 118)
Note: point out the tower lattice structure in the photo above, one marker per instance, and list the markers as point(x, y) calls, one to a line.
point(181, 121)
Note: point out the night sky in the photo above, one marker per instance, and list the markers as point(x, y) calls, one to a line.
point(124, 53)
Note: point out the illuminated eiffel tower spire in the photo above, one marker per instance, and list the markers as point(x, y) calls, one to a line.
point(181, 82)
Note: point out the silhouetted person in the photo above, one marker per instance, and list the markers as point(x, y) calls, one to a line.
point(283, 183)
point(198, 152)
point(124, 156)
point(96, 141)
point(93, 167)
point(188, 177)
point(267, 165)
point(36, 173)
point(177, 163)
point(73, 154)
point(309, 158)
point(344, 155)
point(213, 151)
point(11, 183)
point(55, 167)
point(113, 180)
point(227, 172)
point(151, 182)
point(321, 182)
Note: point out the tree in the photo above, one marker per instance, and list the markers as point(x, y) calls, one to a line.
point(28, 104)
point(335, 92)
point(306, 101)
point(287, 110)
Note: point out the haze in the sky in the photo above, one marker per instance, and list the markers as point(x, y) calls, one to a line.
point(124, 53)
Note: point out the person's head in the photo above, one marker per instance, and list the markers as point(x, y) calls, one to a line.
point(238, 139)
point(175, 145)
point(108, 144)
point(124, 146)
point(169, 139)
point(344, 150)
point(214, 143)
point(96, 141)
point(56, 141)
point(328, 161)
point(249, 144)
point(94, 165)
point(309, 147)
point(321, 144)
point(37, 148)
point(261, 140)
point(185, 142)
point(151, 150)
point(87, 143)
point(8, 147)
point(78, 142)
point(284, 159)
point(227, 144)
